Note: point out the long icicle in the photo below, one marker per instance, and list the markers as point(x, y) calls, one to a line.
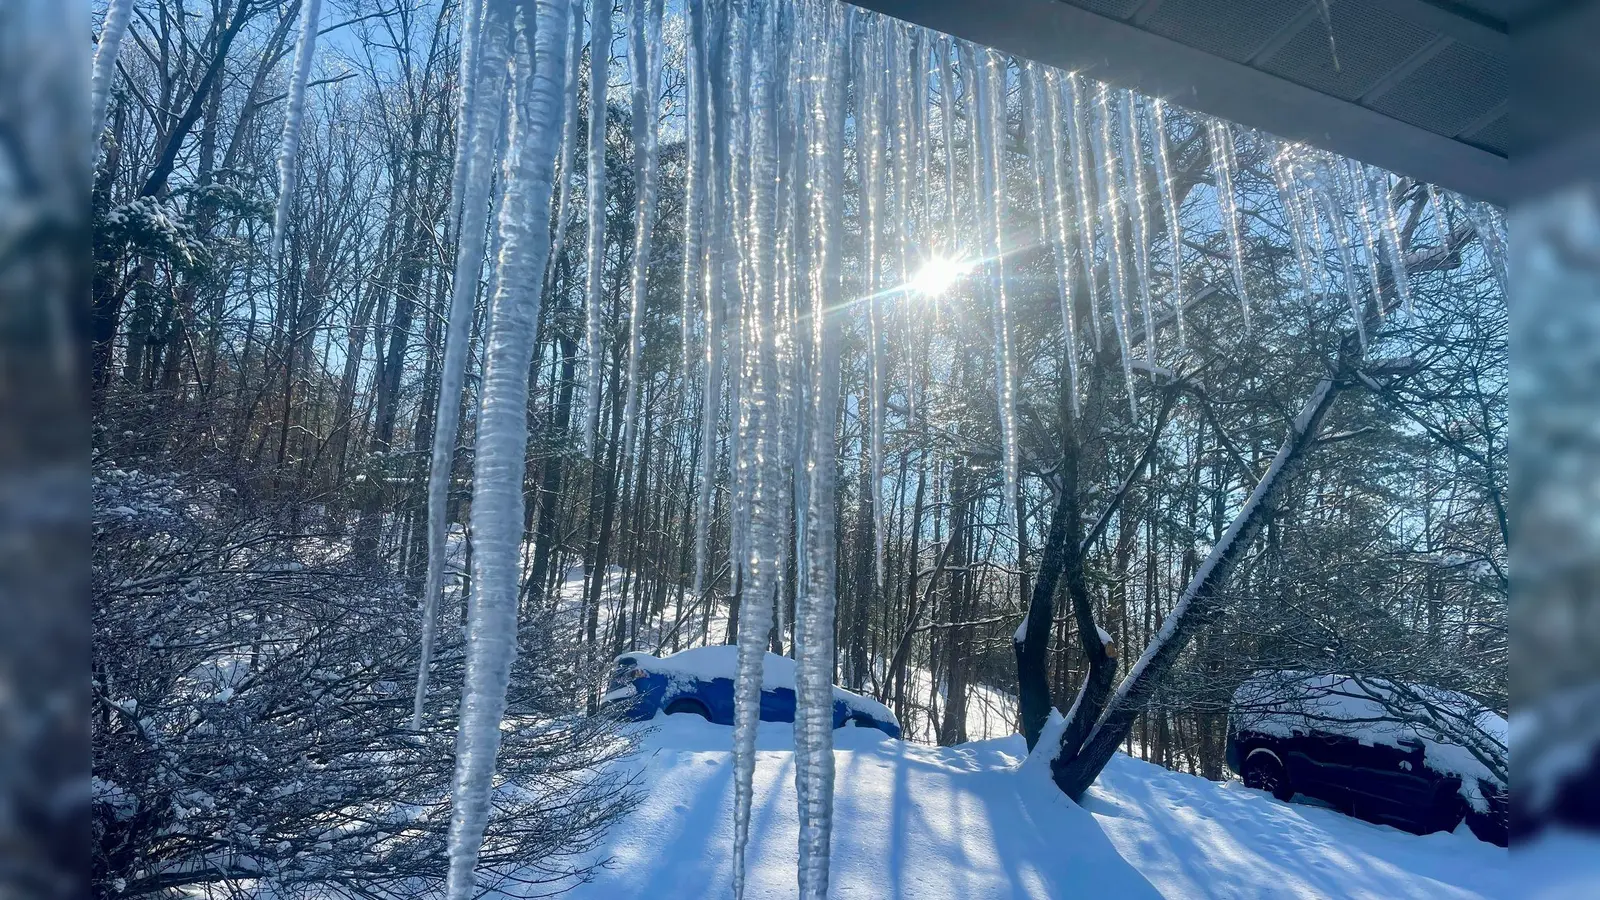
point(537, 70)
point(1110, 202)
point(569, 145)
point(289, 151)
point(872, 63)
point(1078, 140)
point(595, 246)
point(1294, 215)
point(1389, 235)
point(814, 620)
point(112, 30)
point(1353, 185)
point(696, 136)
point(1219, 135)
point(1338, 224)
point(717, 238)
point(762, 432)
point(478, 123)
point(1133, 176)
point(645, 58)
point(736, 277)
point(466, 80)
point(1169, 200)
point(1056, 198)
point(988, 134)
point(947, 104)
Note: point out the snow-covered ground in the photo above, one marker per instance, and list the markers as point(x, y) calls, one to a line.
point(967, 822)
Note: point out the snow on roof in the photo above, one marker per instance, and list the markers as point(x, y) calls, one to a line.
point(706, 663)
point(1378, 712)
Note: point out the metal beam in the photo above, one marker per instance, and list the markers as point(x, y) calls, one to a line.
point(1066, 36)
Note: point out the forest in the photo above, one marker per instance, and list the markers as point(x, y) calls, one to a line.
point(1044, 447)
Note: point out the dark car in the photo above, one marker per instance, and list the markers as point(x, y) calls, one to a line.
point(699, 682)
point(1374, 749)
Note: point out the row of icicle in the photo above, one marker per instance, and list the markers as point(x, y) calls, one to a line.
point(766, 132)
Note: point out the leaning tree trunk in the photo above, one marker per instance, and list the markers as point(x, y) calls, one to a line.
point(1079, 761)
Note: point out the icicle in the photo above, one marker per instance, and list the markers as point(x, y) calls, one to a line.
point(1339, 226)
point(764, 435)
point(1294, 216)
point(1353, 185)
point(1169, 200)
point(719, 236)
point(289, 152)
point(1033, 118)
point(595, 247)
point(1078, 139)
point(112, 30)
point(696, 138)
point(736, 277)
point(1389, 235)
point(569, 144)
point(466, 85)
point(989, 133)
point(1491, 232)
point(644, 56)
point(814, 613)
point(1056, 199)
point(947, 105)
point(898, 70)
point(478, 124)
point(503, 431)
point(1220, 140)
point(1436, 212)
point(1133, 175)
point(920, 106)
point(871, 64)
point(1110, 202)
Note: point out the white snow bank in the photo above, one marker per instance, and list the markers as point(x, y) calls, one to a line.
point(777, 672)
point(1378, 712)
point(1196, 839)
point(969, 822)
point(909, 822)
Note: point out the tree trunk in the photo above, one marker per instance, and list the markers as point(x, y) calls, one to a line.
point(1080, 761)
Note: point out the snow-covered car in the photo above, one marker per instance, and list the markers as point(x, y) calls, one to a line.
point(700, 682)
point(1416, 757)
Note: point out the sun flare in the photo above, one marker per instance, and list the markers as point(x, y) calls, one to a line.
point(938, 275)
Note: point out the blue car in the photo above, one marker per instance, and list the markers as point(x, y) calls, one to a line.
point(699, 682)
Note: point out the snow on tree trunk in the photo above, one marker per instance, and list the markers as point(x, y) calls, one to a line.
point(289, 151)
point(477, 140)
point(539, 35)
point(1075, 768)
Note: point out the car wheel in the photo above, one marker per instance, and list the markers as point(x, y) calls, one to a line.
point(1265, 772)
point(688, 707)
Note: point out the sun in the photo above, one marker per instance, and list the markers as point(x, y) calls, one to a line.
point(938, 275)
